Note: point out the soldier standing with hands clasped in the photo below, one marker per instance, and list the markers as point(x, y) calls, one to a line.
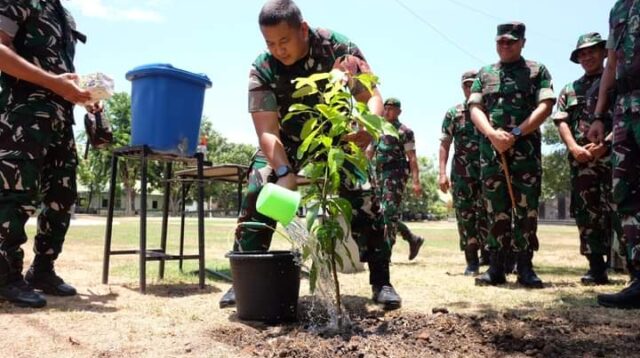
point(589, 163)
point(509, 101)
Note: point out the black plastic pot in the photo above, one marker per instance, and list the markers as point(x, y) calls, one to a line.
point(267, 284)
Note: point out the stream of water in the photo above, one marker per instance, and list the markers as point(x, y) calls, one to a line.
point(325, 291)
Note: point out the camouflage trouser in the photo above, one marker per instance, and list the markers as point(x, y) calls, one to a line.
point(591, 204)
point(626, 181)
point(390, 189)
point(367, 227)
point(37, 164)
point(471, 215)
point(405, 232)
point(524, 164)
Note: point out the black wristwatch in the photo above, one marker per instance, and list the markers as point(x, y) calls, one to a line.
point(283, 170)
point(598, 116)
point(516, 132)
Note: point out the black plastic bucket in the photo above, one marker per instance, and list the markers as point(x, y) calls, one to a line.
point(267, 284)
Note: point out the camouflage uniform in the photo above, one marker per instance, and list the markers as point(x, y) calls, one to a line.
point(610, 219)
point(465, 176)
point(38, 154)
point(590, 181)
point(509, 93)
point(392, 173)
point(624, 39)
point(271, 89)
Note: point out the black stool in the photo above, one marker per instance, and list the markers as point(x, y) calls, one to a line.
point(144, 153)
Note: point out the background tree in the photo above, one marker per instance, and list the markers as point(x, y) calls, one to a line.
point(221, 151)
point(118, 111)
point(417, 207)
point(93, 171)
point(555, 166)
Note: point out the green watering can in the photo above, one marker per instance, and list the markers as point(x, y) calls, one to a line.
point(278, 203)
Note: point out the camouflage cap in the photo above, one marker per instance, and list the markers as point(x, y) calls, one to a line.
point(510, 31)
point(469, 76)
point(587, 40)
point(392, 101)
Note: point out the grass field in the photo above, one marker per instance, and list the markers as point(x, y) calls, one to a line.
point(174, 317)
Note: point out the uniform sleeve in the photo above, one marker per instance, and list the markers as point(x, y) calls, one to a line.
point(545, 86)
point(409, 141)
point(561, 114)
point(476, 92)
point(261, 96)
point(12, 14)
point(610, 41)
point(447, 128)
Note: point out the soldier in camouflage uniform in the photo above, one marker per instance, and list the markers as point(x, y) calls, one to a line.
point(465, 176)
point(610, 220)
point(37, 151)
point(395, 159)
point(509, 101)
point(296, 50)
point(623, 72)
point(589, 163)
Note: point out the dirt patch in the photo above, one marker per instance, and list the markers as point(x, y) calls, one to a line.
point(375, 333)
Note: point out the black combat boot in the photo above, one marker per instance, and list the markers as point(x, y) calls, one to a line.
point(414, 246)
point(495, 274)
point(597, 274)
point(21, 294)
point(383, 292)
point(415, 241)
point(473, 263)
point(228, 299)
point(42, 276)
point(628, 298)
point(14, 289)
point(526, 276)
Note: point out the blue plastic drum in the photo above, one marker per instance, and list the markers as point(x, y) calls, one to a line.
point(166, 107)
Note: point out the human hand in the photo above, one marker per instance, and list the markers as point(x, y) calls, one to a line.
point(417, 188)
point(501, 140)
point(443, 182)
point(597, 150)
point(596, 132)
point(581, 154)
point(361, 138)
point(66, 86)
point(95, 107)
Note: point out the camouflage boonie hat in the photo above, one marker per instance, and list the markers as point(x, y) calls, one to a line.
point(392, 101)
point(587, 40)
point(469, 76)
point(511, 31)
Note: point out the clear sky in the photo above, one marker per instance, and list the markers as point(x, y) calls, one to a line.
point(418, 48)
